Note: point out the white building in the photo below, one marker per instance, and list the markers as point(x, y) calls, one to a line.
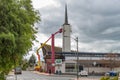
point(99, 63)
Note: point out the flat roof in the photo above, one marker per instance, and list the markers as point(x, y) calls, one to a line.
point(85, 54)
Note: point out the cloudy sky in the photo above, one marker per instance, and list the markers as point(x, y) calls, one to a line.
point(95, 22)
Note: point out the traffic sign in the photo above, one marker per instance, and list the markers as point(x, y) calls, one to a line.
point(58, 61)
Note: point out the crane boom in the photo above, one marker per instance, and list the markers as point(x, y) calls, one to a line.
point(39, 65)
point(38, 51)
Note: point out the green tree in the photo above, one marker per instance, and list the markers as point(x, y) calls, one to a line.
point(24, 64)
point(17, 18)
point(32, 60)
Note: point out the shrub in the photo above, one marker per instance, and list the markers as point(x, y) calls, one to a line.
point(109, 78)
point(115, 78)
point(105, 78)
point(2, 76)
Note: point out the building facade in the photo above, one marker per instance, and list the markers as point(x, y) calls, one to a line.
point(97, 63)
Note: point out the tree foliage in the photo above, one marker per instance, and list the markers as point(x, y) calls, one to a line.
point(24, 64)
point(17, 18)
point(32, 60)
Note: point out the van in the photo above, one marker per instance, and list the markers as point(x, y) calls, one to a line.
point(18, 70)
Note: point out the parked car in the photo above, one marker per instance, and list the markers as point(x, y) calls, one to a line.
point(83, 73)
point(18, 70)
point(111, 73)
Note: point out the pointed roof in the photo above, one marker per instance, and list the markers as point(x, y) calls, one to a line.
point(47, 48)
point(66, 16)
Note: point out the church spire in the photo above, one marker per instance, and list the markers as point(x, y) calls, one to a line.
point(66, 47)
point(66, 16)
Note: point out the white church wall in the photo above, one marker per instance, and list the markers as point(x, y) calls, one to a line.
point(66, 38)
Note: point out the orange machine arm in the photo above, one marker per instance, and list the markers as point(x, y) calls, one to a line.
point(39, 49)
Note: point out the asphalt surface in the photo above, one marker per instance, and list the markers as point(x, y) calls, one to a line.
point(33, 75)
point(28, 75)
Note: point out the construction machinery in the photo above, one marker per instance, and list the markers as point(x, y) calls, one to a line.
point(38, 67)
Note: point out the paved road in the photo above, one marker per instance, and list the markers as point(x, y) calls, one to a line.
point(27, 75)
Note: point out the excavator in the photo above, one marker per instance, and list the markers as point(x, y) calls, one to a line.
point(38, 66)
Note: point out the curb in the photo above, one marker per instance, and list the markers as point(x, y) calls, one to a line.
point(42, 73)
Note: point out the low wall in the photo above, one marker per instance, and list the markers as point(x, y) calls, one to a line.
point(97, 69)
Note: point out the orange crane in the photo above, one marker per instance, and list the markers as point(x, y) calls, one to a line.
point(38, 67)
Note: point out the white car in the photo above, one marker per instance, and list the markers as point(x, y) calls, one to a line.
point(83, 73)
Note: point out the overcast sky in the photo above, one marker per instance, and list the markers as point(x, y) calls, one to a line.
point(95, 22)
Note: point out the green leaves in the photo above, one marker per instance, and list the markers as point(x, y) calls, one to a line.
point(7, 46)
point(17, 18)
point(7, 42)
point(32, 60)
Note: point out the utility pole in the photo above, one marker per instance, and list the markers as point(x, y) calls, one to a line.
point(77, 57)
point(77, 61)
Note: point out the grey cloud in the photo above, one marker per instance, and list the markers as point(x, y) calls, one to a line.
point(93, 17)
point(52, 19)
point(96, 29)
point(93, 20)
point(100, 7)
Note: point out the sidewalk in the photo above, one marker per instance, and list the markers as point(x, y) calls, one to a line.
point(11, 73)
point(56, 75)
point(43, 73)
point(85, 79)
point(65, 75)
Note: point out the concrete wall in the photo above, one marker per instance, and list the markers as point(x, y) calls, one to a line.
point(89, 69)
point(117, 69)
point(97, 69)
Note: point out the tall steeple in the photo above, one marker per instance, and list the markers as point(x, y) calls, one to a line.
point(66, 16)
point(66, 34)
